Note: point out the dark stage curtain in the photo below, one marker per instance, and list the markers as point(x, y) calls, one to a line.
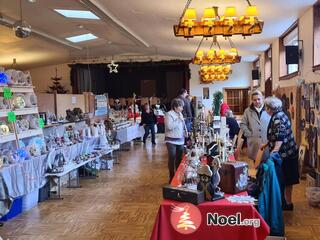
point(161, 79)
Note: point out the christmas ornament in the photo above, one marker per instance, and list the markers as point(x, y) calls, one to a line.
point(3, 78)
point(11, 117)
point(113, 67)
point(7, 93)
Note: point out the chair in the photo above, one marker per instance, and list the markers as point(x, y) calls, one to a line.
point(130, 101)
point(123, 102)
point(115, 145)
point(144, 100)
point(111, 102)
point(154, 101)
point(237, 151)
point(258, 158)
point(234, 141)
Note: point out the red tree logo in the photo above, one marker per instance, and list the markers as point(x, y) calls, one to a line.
point(185, 218)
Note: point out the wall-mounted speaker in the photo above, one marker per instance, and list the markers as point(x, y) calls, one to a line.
point(292, 54)
point(255, 74)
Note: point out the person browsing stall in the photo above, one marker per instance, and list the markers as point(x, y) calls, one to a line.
point(148, 120)
point(281, 139)
point(254, 125)
point(232, 123)
point(175, 132)
point(186, 112)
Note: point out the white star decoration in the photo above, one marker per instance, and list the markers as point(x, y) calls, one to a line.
point(113, 67)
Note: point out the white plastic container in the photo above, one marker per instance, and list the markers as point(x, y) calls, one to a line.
point(30, 200)
point(313, 196)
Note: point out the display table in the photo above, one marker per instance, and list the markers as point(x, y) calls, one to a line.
point(163, 229)
point(25, 177)
point(127, 134)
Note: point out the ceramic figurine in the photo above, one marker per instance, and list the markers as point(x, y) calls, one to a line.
point(205, 175)
point(18, 101)
point(22, 125)
point(4, 129)
point(94, 130)
point(30, 100)
point(34, 122)
point(209, 181)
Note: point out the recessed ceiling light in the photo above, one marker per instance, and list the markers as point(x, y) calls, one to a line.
point(77, 14)
point(81, 38)
point(32, 1)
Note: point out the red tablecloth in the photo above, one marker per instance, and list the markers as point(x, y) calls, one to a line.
point(163, 229)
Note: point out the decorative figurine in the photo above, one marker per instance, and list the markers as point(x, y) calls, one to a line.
point(209, 180)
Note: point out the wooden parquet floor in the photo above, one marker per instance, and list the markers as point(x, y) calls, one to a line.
point(123, 203)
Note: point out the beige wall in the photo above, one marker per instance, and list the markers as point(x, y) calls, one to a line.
point(240, 78)
point(41, 77)
point(306, 64)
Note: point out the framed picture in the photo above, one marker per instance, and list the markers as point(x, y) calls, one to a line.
point(302, 154)
point(206, 93)
point(311, 94)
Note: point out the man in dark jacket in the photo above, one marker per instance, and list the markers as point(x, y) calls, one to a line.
point(187, 113)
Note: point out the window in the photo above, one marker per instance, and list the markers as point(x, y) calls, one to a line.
point(316, 36)
point(237, 99)
point(290, 38)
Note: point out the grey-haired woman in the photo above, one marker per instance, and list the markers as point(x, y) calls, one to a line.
point(281, 140)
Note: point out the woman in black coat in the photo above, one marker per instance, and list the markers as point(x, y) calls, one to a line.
point(148, 120)
point(232, 123)
point(281, 140)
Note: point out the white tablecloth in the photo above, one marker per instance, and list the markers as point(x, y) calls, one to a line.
point(129, 133)
point(25, 177)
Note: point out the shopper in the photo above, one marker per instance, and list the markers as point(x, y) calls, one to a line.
point(148, 120)
point(223, 108)
point(281, 140)
point(175, 132)
point(187, 112)
point(254, 125)
point(232, 123)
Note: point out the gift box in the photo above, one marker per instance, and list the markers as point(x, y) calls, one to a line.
point(234, 177)
point(183, 194)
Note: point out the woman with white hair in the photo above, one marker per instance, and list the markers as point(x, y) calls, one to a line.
point(280, 139)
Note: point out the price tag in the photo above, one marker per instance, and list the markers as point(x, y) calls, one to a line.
point(41, 123)
point(7, 93)
point(12, 117)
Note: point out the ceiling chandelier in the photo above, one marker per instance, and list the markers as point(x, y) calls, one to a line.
point(215, 73)
point(213, 78)
point(212, 24)
point(217, 56)
point(21, 28)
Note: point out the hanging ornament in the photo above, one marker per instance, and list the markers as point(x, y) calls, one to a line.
point(113, 67)
point(7, 93)
point(41, 123)
point(11, 117)
point(3, 78)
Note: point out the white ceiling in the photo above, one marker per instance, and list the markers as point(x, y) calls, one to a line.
point(150, 21)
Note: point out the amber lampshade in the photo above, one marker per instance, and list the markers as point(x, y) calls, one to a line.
point(199, 54)
point(190, 14)
point(252, 11)
point(230, 12)
point(233, 52)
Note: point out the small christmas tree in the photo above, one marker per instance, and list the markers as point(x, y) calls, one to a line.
point(57, 85)
point(185, 221)
point(217, 100)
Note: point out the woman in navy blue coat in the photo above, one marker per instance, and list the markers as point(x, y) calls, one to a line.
point(281, 140)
